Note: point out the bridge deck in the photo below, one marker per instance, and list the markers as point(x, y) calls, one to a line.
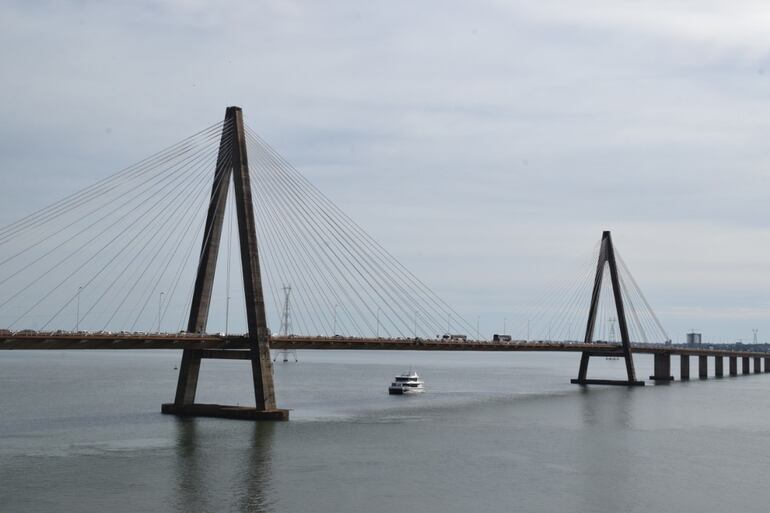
point(39, 341)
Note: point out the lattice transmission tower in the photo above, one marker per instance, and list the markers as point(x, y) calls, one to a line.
point(285, 330)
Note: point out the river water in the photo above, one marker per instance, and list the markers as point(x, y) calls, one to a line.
point(81, 431)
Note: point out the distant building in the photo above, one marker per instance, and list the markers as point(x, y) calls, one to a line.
point(694, 339)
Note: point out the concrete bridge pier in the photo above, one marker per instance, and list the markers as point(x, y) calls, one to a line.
point(231, 167)
point(718, 366)
point(767, 364)
point(757, 365)
point(662, 370)
point(703, 367)
point(746, 365)
point(733, 365)
point(684, 367)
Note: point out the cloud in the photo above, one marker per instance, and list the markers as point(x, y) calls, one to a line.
point(483, 143)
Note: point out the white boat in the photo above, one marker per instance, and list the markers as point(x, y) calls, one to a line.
point(406, 383)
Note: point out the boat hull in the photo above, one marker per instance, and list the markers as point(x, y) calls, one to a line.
point(404, 391)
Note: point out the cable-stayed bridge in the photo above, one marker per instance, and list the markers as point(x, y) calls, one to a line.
point(137, 260)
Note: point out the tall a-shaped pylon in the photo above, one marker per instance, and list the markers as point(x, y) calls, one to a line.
point(232, 162)
point(607, 257)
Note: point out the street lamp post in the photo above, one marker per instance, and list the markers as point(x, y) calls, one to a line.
point(334, 324)
point(160, 305)
point(227, 315)
point(378, 322)
point(77, 311)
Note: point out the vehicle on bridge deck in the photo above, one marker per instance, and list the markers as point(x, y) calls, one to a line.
point(449, 336)
point(406, 383)
point(501, 338)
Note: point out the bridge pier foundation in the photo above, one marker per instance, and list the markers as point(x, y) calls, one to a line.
point(185, 405)
point(746, 365)
point(719, 366)
point(703, 367)
point(662, 371)
point(757, 365)
point(733, 365)
point(684, 367)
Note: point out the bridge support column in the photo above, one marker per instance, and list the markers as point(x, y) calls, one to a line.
point(684, 367)
point(746, 365)
point(662, 370)
point(718, 366)
point(757, 365)
point(767, 364)
point(703, 367)
point(733, 365)
point(232, 163)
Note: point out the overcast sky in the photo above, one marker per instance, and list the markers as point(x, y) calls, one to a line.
point(486, 144)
